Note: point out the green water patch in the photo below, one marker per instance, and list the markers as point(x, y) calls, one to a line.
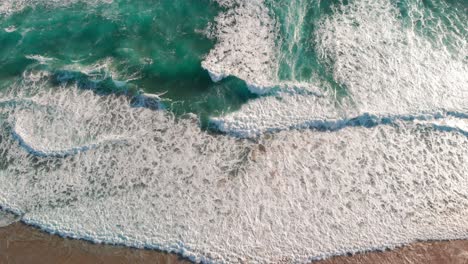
point(443, 22)
point(155, 46)
point(297, 21)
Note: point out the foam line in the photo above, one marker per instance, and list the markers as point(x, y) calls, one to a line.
point(458, 123)
point(37, 146)
point(334, 124)
point(27, 142)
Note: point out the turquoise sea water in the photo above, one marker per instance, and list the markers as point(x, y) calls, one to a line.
point(341, 125)
point(153, 46)
point(158, 46)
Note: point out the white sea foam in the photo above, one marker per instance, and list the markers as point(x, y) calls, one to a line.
point(246, 43)
point(66, 133)
point(40, 59)
point(450, 122)
point(8, 7)
point(101, 70)
point(388, 70)
point(248, 47)
point(376, 57)
point(10, 29)
point(150, 180)
point(291, 196)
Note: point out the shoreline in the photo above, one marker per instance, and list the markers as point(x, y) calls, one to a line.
point(21, 243)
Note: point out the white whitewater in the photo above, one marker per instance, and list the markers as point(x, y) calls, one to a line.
point(388, 70)
point(247, 48)
point(293, 196)
point(246, 43)
point(99, 168)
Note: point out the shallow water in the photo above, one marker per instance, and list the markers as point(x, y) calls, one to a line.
point(232, 131)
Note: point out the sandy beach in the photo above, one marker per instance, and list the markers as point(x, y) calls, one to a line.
point(20, 244)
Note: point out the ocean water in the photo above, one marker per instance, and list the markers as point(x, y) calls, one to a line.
point(232, 131)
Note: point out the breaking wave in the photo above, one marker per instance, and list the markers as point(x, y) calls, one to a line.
point(362, 144)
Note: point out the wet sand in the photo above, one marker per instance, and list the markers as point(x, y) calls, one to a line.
point(24, 244)
point(440, 252)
